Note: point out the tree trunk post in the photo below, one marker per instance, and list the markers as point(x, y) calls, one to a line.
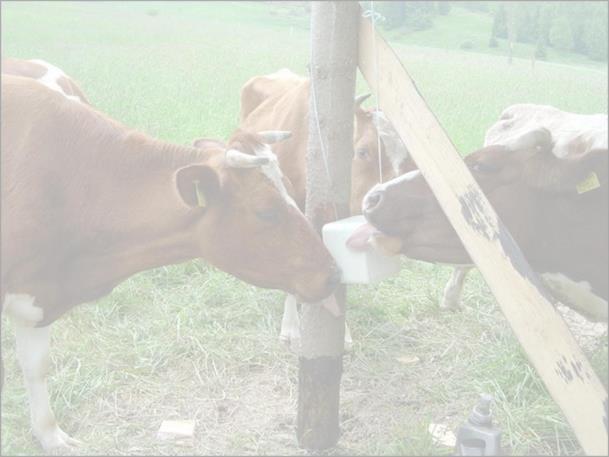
point(334, 28)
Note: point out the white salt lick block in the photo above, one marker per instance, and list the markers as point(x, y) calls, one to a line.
point(358, 267)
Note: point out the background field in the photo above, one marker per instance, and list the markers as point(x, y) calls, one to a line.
point(189, 341)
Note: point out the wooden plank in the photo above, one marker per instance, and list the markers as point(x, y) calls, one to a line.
point(541, 331)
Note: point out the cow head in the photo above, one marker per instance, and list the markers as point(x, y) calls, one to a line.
point(394, 159)
point(550, 204)
point(247, 223)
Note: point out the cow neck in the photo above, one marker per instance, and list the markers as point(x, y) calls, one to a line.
point(149, 225)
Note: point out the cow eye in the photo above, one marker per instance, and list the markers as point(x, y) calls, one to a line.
point(482, 167)
point(362, 153)
point(271, 215)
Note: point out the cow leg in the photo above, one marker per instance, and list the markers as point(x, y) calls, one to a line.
point(290, 323)
point(348, 339)
point(33, 346)
point(451, 299)
point(290, 326)
point(577, 295)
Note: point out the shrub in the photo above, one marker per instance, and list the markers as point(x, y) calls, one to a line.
point(493, 43)
point(560, 34)
point(467, 44)
point(540, 52)
point(420, 22)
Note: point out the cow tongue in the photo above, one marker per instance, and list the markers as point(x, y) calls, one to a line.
point(366, 236)
point(358, 240)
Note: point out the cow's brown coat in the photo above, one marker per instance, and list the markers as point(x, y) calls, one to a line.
point(87, 202)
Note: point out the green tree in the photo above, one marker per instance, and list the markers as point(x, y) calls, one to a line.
point(560, 34)
point(547, 12)
point(443, 7)
point(499, 29)
point(413, 15)
point(596, 38)
point(394, 13)
point(525, 22)
point(476, 6)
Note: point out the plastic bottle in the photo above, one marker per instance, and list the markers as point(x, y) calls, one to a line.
point(478, 435)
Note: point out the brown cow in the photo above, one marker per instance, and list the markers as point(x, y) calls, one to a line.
point(282, 99)
point(555, 204)
point(46, 74)
point(87, 202)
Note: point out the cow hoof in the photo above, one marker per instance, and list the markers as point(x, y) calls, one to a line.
point(348, 346)
point(291, 341)
point(450, 304)
point(56, 440)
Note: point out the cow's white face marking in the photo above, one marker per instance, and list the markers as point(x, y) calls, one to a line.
point(570, 132)
point(386, 185)
point(577, 294)
point(273, 172)
point(51, 77)
point(21, 308)
point(395, 149)
point(411, 175)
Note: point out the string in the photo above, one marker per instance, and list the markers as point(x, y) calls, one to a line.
point(374, 17)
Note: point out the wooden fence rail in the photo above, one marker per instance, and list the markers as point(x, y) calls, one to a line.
point(541, 331)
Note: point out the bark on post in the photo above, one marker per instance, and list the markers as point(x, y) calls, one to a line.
point(334, 28)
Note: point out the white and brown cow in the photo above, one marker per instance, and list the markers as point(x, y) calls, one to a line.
point(88, 202)
point(547, 180)
point(571, 132)
point(282, 99)
point(45, 73)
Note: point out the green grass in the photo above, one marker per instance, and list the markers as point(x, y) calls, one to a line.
point(191, 342)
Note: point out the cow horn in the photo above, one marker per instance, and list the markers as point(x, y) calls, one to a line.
point(539, 137)
point(238, 159)
point(274, 136)
point(360, 98)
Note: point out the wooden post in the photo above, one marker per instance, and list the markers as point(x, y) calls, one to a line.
point(333, 65)
point(541, 331)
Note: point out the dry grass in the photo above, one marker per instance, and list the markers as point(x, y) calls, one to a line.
point(189, 342)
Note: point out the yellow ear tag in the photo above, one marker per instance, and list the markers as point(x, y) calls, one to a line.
point(590, 183)
point(200, 196)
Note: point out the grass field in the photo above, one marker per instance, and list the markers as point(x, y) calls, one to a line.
point(464, 25)
point(191, 342)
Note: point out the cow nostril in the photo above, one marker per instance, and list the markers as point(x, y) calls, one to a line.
point(372, 201)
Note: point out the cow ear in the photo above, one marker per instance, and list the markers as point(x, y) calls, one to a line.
point(581, 173)
point(198, 185)
point(586, 171)
point(204, 143)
